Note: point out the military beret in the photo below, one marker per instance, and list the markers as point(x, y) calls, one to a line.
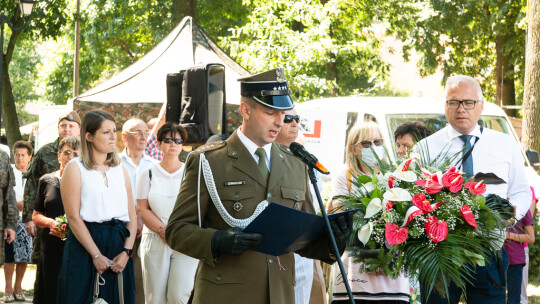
point(268, 88)
point(71, 116)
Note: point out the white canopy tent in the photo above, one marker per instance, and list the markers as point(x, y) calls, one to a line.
point(140, 89)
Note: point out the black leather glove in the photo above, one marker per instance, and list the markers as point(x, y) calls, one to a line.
point(233, 241)
point(342, 229)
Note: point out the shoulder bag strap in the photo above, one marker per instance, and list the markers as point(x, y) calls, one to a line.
point(120, 288)
point(96, 284)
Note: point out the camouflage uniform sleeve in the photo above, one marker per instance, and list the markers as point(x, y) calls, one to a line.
point(12, 215)
point(30, 188)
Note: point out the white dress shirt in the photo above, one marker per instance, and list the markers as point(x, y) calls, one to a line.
point(494, 152)
point(252, 147)
point(135, 171)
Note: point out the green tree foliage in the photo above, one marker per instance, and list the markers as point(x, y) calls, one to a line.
point(484, 39)
point(114, 34)
point(326, 47)
point(45, 22)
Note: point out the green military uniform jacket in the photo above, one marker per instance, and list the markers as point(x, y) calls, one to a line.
point(9, 214)
point(252, 277)
point(45, 161)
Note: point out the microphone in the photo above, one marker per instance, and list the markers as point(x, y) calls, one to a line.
point(309, 159)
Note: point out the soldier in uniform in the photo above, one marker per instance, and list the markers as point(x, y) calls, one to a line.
point(9, 213)
point(45, 161)
point(247, 168)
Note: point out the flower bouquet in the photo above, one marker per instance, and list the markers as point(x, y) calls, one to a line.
point(62, 224)
point(425, 221)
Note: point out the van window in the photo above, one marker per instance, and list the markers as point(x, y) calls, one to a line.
point(435, 122)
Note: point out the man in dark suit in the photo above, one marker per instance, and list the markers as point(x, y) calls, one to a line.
point(248, 169)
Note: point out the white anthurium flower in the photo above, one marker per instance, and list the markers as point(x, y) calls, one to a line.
point(397, 195)
point(373, 207)
point(407, 176)
point(364, 233)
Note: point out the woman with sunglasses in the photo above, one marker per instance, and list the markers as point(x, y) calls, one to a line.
point(49, 206)
point(98, 201)
point(168, 275)
point(364, 143)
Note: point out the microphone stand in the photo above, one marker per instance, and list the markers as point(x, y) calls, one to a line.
point(313, 179)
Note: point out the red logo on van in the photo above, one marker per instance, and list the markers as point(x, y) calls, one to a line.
point(316, 130)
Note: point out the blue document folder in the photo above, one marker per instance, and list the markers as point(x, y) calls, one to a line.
point(286, 229)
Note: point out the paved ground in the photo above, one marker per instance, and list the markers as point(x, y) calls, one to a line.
point(29, 277)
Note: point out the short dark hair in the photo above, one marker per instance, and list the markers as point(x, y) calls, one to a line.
point(416, 129)
point(171, 128)
point(74, 142)
point(22, 144)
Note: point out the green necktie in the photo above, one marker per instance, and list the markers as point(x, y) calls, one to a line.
point(262, 163)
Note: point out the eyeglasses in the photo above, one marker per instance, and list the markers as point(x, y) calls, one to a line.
point(69, 153)
point(139, 133)
point(290, 118)
point(467, 104)
point(169, 140)
point(368, 143)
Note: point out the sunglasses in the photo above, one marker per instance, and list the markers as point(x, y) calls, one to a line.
point(69, 153)
point(169, 140)
point(290, 118)
point(369, 143)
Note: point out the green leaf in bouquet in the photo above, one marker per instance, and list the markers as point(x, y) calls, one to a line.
point(414, 232)
point(377, 193)
point(480, 200)
point(374, 179)
point(363, 179)
point(476, 258)
point(365, 201)
point(402, 207)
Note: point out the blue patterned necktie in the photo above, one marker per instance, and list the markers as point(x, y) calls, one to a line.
point(467, 167)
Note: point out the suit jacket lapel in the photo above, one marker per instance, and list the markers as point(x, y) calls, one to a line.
point(244, 161)
point(277, 167)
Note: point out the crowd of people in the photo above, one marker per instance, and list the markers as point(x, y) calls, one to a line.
point(144, 227)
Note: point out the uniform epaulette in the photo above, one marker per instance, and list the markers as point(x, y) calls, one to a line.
point(211, 146)
point(284, 148)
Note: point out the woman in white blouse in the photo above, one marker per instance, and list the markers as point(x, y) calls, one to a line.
point(98, 201)
point(168, 275)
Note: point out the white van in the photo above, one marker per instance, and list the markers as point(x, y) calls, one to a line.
point(326, 122)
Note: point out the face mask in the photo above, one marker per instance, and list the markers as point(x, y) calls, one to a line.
point(369, 158)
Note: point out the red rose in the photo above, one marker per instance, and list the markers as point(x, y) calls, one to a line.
point(422, 203)
point(468, 215)
point(389, 205)
point(476, 188)
point(453, 181)
point(394, 234)
point(435, 229)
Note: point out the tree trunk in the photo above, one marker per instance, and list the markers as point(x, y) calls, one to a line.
point(506, 94)
point(9, 111)
point(531, 100)
point(183, 8)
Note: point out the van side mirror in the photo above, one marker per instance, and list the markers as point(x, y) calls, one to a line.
point(534, 159)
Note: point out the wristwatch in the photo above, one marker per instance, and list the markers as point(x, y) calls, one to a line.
point(128, 251)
